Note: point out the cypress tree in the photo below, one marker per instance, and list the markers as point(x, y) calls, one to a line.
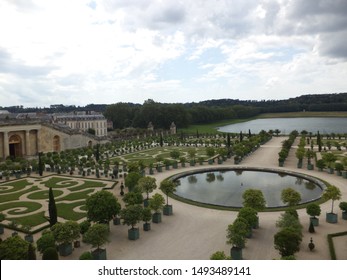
point(319, 142)
point(40, 165)
point(52, 209)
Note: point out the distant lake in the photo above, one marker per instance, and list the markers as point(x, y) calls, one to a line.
point(286, 125)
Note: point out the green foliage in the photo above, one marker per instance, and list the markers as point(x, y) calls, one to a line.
point(329, 158)
point(67, 232)
point(219, 255)
point(254, 198)
point(102, 207)
point(236, 233)
point(133, 198)
point(156, 202)
point(210, 151)
point(168, 187)
point(313, 209)
point(2, 217)
point(96, 235)
point(287, 220)
point(86, 256)
point(290, 197)
point(131, 180)
point(52, 209)
point(146, 214)
point(343, 206)
point(249, 214)
point(287, 242)
point(333, 193)
point(50, 253)
point(31, 252)
point(45, 241)
point(147, 184)
point(175, 154)
point(320, 164)
point(131, 215)
point(84, 226)
point(14, 248)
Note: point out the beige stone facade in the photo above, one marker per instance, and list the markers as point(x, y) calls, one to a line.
point(84, 122)
point(22, 140)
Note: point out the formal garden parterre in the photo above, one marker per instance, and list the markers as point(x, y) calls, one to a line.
point(79, 173)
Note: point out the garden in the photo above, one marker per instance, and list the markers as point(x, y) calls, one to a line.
point(24, 202)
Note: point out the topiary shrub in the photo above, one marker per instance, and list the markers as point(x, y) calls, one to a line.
point(50, 254)
point(86, 256)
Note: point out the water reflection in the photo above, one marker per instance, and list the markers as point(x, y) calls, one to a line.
point(227, 189)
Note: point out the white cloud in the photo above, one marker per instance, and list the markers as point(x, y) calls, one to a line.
point(103, 51)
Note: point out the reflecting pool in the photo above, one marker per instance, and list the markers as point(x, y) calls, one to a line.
point(224, 187)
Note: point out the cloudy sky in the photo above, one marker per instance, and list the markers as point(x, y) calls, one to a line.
point(106, 51)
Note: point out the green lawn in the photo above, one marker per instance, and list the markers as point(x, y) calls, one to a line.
point(22, 212)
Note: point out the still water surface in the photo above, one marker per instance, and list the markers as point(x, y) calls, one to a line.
point(225, 188)
point(286, 125)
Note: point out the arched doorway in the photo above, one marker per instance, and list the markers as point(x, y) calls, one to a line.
point(15, 146)
point(56, 143)
point(90, 144)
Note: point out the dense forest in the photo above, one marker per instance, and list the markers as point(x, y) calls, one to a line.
point(163, 114)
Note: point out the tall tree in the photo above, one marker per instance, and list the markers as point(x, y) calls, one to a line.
point(52, 209)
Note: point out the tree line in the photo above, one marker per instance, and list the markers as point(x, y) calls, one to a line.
point(125, 115)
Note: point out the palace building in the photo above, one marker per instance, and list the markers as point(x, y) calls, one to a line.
point(25, 137)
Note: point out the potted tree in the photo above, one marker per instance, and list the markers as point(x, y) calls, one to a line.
point(236, 236)
point(45, 241)
point(313, 209)
point(64, 234)
point(97, 235)
point(333, 193)
point(255, 199)
point(102, 206)
point(338, 168)
point(250, 217)
point(131, 215)
point(168, 187)
point(146, 217)
point(343, 207)
point(147, 185)
point(156, 203)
